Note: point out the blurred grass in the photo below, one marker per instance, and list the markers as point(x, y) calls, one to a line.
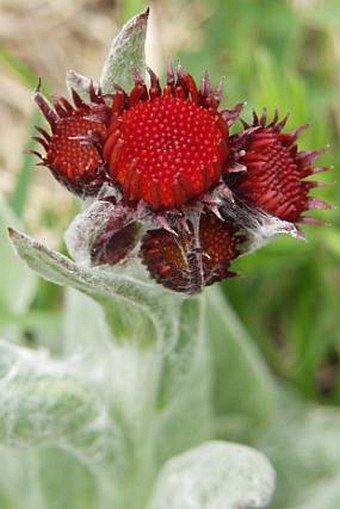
point(15, 65)
point(271, 54)
point(19, 195)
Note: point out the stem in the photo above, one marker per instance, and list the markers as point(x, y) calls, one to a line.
point(136, 386)
point(162, 387)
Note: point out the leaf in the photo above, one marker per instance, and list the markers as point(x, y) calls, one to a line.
point(85, 228)
point(68, 485)
point(215, 475)
point(17, 284)
point(304, 446)
point(43, 403)
point(84, 325)
point(243, 387)
point(323, 494)
point(46, 478)
point(185, 383)
point(135, 308)
point(126, 55)
point(14, 64)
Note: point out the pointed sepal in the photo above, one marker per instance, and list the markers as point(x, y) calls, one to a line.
point(80, 84)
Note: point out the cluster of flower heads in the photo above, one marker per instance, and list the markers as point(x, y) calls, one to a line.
point(185, 195)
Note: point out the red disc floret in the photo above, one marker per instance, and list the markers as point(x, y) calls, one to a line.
point(166, 149)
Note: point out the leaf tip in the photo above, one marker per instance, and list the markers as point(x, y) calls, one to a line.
point(139, 22)
point(15, 237)
point(11, 231)
point(146, 13)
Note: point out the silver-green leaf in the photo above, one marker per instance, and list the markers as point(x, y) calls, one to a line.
point(45, 403)
point(215, 475)
point(136, 308)
point(126, 55)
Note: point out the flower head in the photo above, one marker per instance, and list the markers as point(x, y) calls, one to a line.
point(74, 146)
point(275, 178)
point(166, 147)
point(181, 193)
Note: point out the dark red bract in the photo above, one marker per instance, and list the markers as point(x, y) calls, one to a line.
point(191, 260)
point(111, 247)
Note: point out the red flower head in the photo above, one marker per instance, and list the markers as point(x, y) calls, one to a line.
point(275, 178)
point(74, 146)
point(167, 147)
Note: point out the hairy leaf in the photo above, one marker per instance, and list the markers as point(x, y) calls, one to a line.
point(213, 476)
point(42, 403)
point(126, 55)
point(135, 308)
